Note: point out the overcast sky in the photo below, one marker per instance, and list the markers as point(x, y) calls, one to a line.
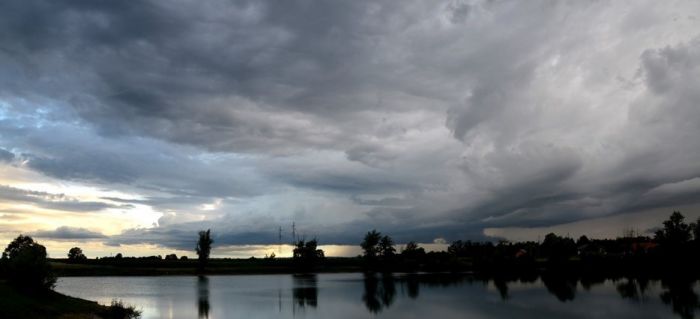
point(126, 126)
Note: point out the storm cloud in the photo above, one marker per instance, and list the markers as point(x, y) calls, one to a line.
point(426, 120)
point(65, 232)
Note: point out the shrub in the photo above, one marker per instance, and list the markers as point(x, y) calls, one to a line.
point(117, 310)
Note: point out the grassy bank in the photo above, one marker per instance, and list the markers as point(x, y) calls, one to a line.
point(50, 305)
point(144, 267)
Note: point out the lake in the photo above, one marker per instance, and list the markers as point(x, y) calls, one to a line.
point(356, 295)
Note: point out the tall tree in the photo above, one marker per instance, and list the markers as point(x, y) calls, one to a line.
point(370, 243)
point(386, 247)
point(675, 231)
point(204, 246)
point(27, 265)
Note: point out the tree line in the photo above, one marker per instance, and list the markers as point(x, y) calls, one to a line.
point(676, 245)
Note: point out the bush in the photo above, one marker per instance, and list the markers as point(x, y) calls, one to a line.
point(117, 310)
point(26, 265)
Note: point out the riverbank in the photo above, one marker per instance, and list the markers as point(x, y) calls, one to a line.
point(147, 267)
point(53, 305)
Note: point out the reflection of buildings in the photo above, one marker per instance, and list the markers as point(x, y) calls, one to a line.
point(203, 297)
point(305, 290)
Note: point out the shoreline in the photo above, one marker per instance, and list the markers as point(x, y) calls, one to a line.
point(53, 304)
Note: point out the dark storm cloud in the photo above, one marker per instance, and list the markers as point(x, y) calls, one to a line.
point(227, 232)
point(191, 74)
point(52, 201)
point(66, 232)
point(425, 120)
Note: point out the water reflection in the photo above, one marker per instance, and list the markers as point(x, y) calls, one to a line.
point(502, 287)
point(412, 286)
point(305, 290)
point(379, 292)
point(562, 287)
point(551, 295)
point(633, 289)
point(203, 297)
point(680, 296)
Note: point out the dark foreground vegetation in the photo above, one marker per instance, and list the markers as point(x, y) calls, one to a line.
point(15, 304)
point(26, 283)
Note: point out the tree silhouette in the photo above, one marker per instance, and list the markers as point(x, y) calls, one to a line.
point(675, 231)
point(412, 250)
point(370, 244)
point(583, 240)
point(558, 249)
point(306, 254)
point(76, 254)
point(386, 247)
point(26, 264)
point(204, 247)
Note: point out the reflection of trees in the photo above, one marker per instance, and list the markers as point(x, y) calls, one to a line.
point(680, 295)
point(560, 286)
point(632, 289)
point(412, 286)
point(305, 291)
point(203, 296)
point(378, 294)
point(502, 287)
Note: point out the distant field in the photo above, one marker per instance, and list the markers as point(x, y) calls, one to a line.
point(155, 267)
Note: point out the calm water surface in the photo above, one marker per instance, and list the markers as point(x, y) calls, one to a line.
point(397, 296)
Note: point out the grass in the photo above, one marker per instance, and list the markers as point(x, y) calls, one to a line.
point(53, 305)
point(140, 267)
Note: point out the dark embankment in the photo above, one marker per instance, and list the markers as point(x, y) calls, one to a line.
point(50, 304)
point(159, 267)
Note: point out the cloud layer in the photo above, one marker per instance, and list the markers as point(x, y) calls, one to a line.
point(424, 120)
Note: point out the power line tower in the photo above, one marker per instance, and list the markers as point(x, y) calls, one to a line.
point(279, 241)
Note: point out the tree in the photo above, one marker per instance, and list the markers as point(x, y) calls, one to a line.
point(386, 247)
point(306, 255)
point(26, 264)
point(583, 240)
point(118, 256)
point(558, 249)
point(204, 246)
point(76, 254)
point(412, 250)
point(171, 257)
point(675, 231)
point(370, 243)
point(696, 230)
